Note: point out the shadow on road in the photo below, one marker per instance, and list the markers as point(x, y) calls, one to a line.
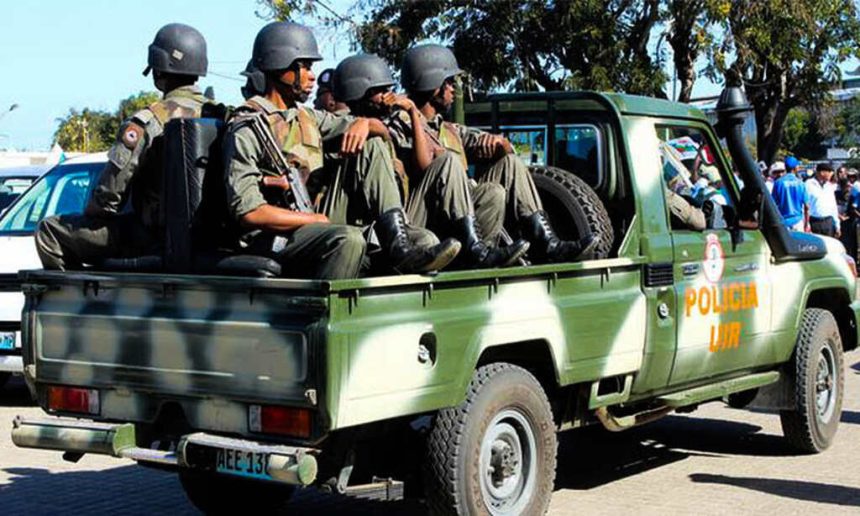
point(795, 489)
point(15, 394)
point(134, 490)
point(850, 416)
point(592, 457)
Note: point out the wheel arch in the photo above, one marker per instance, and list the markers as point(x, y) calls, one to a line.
point(535, 356)
point(837, 301)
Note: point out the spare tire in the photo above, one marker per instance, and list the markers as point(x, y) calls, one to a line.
point(573, 206)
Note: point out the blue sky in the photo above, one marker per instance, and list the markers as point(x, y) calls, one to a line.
point(58, 54)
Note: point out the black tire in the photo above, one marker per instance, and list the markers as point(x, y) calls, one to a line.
point(819, 382)
point(572, 206)
point(505, 424)
point(213, 493)
point(4, 379)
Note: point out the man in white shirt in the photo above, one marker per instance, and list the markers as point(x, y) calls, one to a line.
point(823, 211)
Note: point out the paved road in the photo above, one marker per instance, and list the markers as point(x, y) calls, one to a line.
point(713, 461)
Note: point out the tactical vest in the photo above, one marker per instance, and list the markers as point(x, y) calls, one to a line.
point(299, 137)
point(449, 136)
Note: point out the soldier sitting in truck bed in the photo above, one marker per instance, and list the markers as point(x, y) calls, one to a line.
point(441, 198)
point(177, 57)
point(428, 75)
point(284, 53)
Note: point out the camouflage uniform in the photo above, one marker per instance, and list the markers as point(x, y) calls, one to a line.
point(444, 193)
point(314, 250)
point(134, 166)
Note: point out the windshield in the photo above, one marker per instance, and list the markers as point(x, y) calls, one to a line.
point(65, 189)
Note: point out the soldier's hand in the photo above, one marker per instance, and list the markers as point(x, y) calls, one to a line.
point(491, 146)
point(321, 219)
point(354, 137)
point(401, 101)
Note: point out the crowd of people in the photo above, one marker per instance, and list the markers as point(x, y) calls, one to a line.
point(822, 200)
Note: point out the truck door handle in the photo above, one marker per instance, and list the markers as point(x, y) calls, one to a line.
point(690, 269)
point(746, 267)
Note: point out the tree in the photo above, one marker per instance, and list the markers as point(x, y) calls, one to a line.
point(787, 54)
point(85, 131)
point(94, 131)
point(527, 44)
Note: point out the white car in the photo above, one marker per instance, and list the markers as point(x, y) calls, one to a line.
point(63, 189)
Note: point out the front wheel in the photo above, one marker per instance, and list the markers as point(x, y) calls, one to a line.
point(495, 453)
point(819, 380)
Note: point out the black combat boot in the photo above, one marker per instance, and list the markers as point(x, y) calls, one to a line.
point(547, 247)
point(406, 258)
point(478, 255)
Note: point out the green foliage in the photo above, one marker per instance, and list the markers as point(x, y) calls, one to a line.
point(86, 131)
point(527, 44)
point(94, 131)
point(787, 54)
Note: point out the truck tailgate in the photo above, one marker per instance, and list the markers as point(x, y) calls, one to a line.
point(182, 338)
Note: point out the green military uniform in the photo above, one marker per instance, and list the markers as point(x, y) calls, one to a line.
point(315, 250)
point(443, 193)
point(135, 163)
point(357, 190)
point(522, 199)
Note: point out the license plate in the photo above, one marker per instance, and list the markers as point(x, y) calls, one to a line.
point(7, 340)
point(242, 463)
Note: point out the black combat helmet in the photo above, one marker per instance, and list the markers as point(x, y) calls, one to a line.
point(279, 44)
point(178, 49)
point(357, 74)
point(256, 83)
point(426, 67)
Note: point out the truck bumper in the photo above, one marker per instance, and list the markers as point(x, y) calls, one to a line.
point(11, 364)
point(284, 464)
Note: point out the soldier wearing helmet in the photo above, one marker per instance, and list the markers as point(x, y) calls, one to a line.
point(177, 58)
point(325, 99)
point(441, 197)
point(428, 75)
point(319, 245)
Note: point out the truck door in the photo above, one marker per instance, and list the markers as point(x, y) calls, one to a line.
point(723, 290)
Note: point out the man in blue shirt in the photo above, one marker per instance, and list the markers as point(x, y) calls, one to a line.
point(790, 196)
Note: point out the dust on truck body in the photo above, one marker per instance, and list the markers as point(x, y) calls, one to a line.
point(268, 384)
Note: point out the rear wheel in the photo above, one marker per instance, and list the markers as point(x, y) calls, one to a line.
point(819, 380)
point(213, 493)
point(495, 453)
point(573, 207)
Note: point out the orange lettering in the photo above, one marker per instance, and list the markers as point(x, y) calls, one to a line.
point(734, 296)
point(689, 300)
point(704, 301)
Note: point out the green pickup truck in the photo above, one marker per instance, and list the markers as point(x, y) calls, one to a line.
point(453, 386)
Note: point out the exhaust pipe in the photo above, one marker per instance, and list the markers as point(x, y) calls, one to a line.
point(785, 245)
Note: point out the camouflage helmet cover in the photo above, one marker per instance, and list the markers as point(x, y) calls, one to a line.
point(357, 74)
point(426, 67)
point(178, 49)
point(279, 44)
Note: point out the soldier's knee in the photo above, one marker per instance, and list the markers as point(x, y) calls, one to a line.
point(349, 240)
point(494, 193)
point(449, 165)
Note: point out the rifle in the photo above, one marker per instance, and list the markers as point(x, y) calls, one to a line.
point(289, 178)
